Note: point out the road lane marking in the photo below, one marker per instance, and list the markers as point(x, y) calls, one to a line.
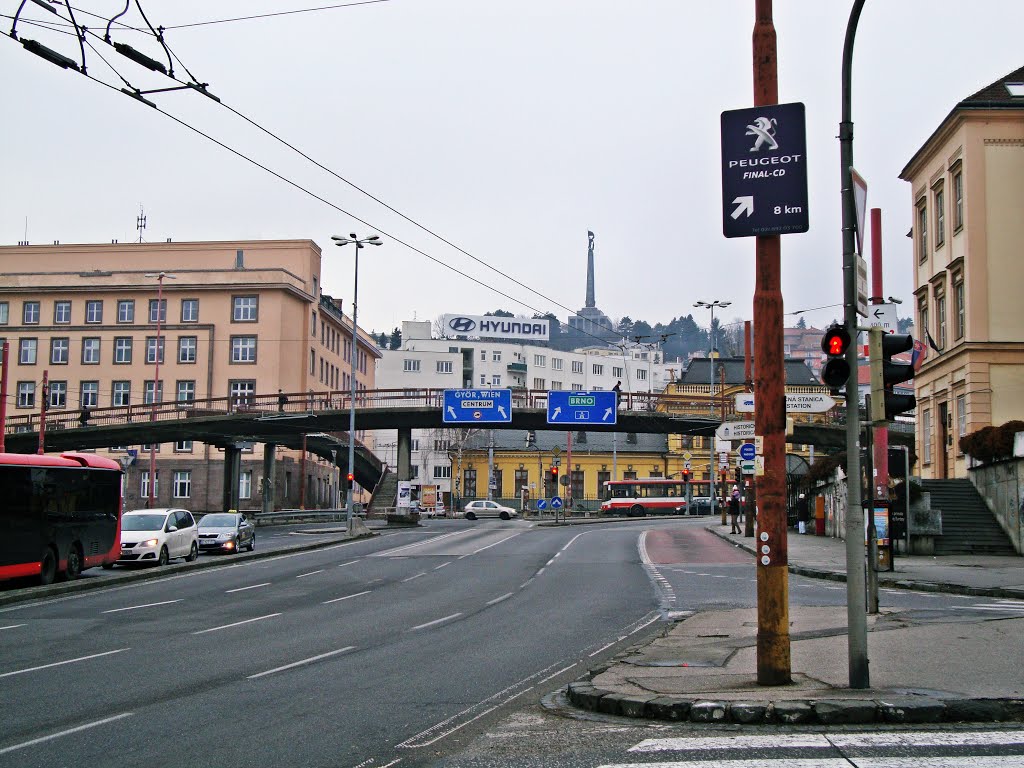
point(442, 565)
point(13, 626)
point(350, 562)
point(147, 605)
point(311, 573)
point(68, 732)
point(310, 660)
point(603, 648)
point(391, 552)
point(499, 541)
point(556, 674)
point(346, 597)
point(424, 573)
point(242, 589)
point(929, 739)
point(435, 621)
point(506, 596)
point(62, 663)
point(236, 624)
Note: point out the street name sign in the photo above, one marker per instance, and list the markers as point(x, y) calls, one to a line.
point(764, 171)
point(477, 406)
point(735, 430)
point(796, 402)
point(581, 408)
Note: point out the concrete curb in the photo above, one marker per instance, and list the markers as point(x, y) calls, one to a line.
point(882, 708)
point(144, 574)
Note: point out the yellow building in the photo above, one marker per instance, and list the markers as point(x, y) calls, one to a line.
point(967, 191)
point(236, 319)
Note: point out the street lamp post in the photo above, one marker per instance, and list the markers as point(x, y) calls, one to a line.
point(711, 391)
point(160, 277)
point(372, 240)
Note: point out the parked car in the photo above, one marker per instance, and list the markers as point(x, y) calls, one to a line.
point(699, 505)
point(439, 509)
point(158, 536)
point(226, 532)
point(484, 508)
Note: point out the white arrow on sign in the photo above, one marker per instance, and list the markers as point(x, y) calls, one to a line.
point(735, 430)
point(743, 204)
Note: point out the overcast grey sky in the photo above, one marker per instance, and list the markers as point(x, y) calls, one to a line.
point(510, 127)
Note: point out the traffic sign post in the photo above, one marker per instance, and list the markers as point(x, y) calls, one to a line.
point(582, 408)
point(477, 406)
point(764, 171)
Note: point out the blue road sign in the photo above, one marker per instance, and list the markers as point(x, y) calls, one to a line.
point(542, 503)
point(477, 406)
point(556, 502)
point(764, 171)
point(748, 452)
point(582, 408)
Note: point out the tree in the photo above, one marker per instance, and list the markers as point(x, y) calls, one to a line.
point(396, 338)
point(625, 327)
point(904, 324)
point(801, 323)
point(499, 313)
point(382, 341)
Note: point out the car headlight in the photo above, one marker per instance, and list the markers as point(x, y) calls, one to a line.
point(150, 543)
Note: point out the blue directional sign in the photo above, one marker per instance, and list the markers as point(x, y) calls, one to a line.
point(764, 171)
point(581, 408)
point(477, 406)
point(748, 452)
point(556, 502)
point(542, 503)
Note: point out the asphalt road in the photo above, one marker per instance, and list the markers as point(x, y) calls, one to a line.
point(411, 648)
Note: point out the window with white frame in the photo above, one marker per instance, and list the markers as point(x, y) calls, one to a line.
point(94, 311)
point(187, 349)
point(444, 366)
point(5, 313)
point(539, 383)
point(927, 429)
point(556, 363)
point(245, 309)
point(959, 309)
point(90, 394)
point(27, 351)
point(556, 385)
point(185, 391)
point(958, 200)
point(242, 391)
point(58, 394)
point(940, 319)
point(182, 484)
point(30, 313)
point(576, 388)
point(153, 347)
point(940, 216)
point(410, 366)
point(616, 372)
point(151, 393)
point(922, 231)
point(922, 315)
point(598, 370)
point(496, 356)
point(961, 419)
point(641, 374)
point(245, 484)
point(190, 310)
point(540, 361)
point(483, 355)
point(61, 312)
point(414, 444)
point(59, 351)
point(183, 446)
point(26, 394)
point(577, 366)
point(122, 350)
point(496, 380)
point(442, 471)
point(91, 351)
point(126, 311)
point(144, 484)
point(243, 349)
point(121, 392)
point(483, 379)
point(158, 311)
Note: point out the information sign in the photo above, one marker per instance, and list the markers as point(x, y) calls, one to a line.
point(581, 408)
point(477, 406)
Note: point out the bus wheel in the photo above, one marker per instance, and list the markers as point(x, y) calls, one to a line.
point(637, 511)
point(48, 567)
point(74, 563)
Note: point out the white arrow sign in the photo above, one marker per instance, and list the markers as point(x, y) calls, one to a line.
point(811, 402)
point(735, 430)
point(743, 205)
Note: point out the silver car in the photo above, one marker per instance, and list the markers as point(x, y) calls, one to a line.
point(226, 532)
point(485, 508)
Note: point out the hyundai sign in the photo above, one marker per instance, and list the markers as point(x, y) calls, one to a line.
point(495, 327)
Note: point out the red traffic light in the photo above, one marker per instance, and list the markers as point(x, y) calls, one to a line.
point(554, 471)
point(350, 477)
point(836, 371)
point(835, 341)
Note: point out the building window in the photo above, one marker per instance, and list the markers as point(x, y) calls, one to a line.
point(245, 484)
point(182, 488)
point(522, 480)
point(556, 385)
point(312, 362)
point(940, 319)
point(94, 311)
point(245, 309)
point(496, 356)
point(940, 217)
point(469, 483)
point(616, 372)
point(126, 311)
point(483, 355)
point(483, 379)
point(243, 349)
point(442, 471)
point(242, 391)
point(312, 324)
point(122, 350)
point(26, 394)
point(598, 369)
point(151, 393)
point(959, 308)
point(27, 351)
point(958, 200)
point(927, 429)
point(641, 374)
point(496, 380)
point(187, 349)
point(411, 366)
point(444, 366)
point(122, 393)
point(5, 313)
point(186, 391)
point(190, 310)
point(152, 349)
point(961, 420)
point(58, 394)
point(922, 231)
point(59, 350)
point(577, 366)
point(539, 384)
point(61, 312)
point(576, 387)
point(183, 446)
point(540, 361)
point(158, 313)
point(91, 351)
point(144, 485)
point(922, 316)
point(90, 394)
point(30, 313)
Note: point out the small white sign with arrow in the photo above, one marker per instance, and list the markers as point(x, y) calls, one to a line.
point(735, 430)
point(743, 205)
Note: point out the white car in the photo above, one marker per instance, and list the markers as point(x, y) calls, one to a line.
point(158, 536)
point(484, 508)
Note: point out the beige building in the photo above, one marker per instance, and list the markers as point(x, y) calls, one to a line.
point(967, 187)
point(236, 320)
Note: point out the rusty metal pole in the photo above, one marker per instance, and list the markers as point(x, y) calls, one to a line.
point(773, 647)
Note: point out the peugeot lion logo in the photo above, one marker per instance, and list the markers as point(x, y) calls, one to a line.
point(764, 129)
point(462, 324)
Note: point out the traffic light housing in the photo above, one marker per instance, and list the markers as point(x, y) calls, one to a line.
point(686, 475)
point(836, 371)
point(885, 373)
point(554, 475)
point(350, 478)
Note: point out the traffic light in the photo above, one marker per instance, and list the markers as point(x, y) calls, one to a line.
point(886, 405)
point(351, 479)
point(686, 475)
point(836, 371)
point(554, 475)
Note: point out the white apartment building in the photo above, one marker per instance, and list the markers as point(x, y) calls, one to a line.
point(424, 362)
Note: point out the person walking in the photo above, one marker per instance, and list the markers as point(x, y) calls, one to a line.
point(734, 510)
point(617, 389)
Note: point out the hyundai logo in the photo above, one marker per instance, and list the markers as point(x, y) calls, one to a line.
point(462, 324)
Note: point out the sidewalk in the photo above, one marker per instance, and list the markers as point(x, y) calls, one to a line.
point(923, 667)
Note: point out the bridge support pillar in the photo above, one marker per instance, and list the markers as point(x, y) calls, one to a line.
point(404, 457)
point(232, 470)
point(269, 468)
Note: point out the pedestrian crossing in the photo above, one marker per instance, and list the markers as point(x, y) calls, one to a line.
point(856, 749)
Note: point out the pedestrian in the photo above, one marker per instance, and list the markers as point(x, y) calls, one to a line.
point(802, 513)
point(617, 389)
point(282, 400)
point(734, 510)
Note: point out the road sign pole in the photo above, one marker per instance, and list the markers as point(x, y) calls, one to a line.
point(773, 646)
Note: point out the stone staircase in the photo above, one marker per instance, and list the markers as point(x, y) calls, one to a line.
point(384, 495)
point(968, 527)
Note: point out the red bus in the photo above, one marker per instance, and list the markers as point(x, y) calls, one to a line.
point(658, 495)
point(58, 514)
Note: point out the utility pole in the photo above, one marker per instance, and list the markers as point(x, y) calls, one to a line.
point(748, 385)
point(773, 647)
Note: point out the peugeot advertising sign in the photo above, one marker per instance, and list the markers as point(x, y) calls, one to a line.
point(496, 327)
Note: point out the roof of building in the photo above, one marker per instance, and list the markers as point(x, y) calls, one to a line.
point(591, 442)
point(698, 372)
